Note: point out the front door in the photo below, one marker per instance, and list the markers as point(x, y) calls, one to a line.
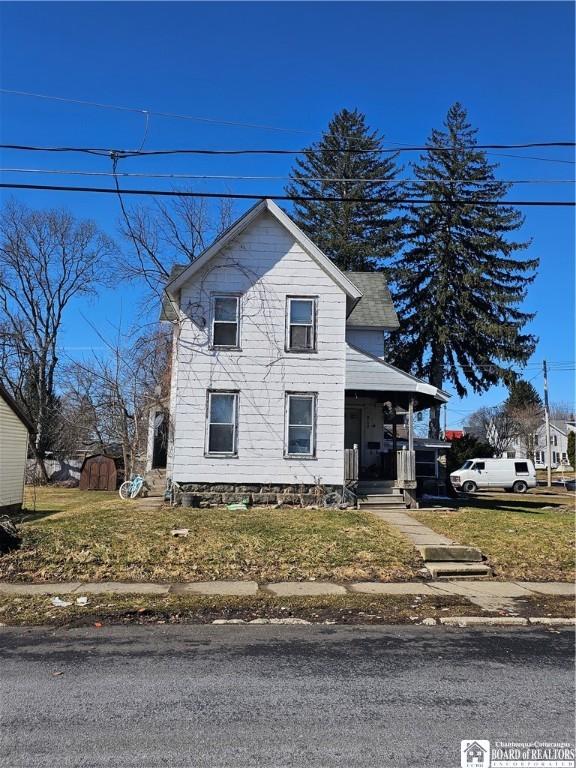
point(353, 430)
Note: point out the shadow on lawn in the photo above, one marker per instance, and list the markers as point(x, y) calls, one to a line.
point(29, 516)
point(526, 505)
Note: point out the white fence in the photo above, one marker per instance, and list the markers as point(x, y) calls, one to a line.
point(57, 469)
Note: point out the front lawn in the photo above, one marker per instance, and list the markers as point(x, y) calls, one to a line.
point(525, 537)
point(94, 536)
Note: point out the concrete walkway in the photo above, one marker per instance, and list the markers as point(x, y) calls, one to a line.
point(473, 590)
point(418, 533)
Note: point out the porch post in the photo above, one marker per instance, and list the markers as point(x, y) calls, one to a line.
point(411, 424)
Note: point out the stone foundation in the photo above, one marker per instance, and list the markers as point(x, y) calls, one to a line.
point(263, 494)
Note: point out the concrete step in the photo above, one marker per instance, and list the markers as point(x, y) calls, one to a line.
point(448, 570)
point(392, 502)
point(374, 486)
point(453, 553)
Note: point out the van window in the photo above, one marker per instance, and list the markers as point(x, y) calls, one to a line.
point(521, 467)
point(479, 465)
point(467, 464)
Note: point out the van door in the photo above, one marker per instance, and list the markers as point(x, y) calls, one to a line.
point(480, 474)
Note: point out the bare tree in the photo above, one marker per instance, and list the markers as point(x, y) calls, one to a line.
point(115, 391)
point(167, 234)
point(494, 425)
point(526, 422)
point(562, 411)
point(46, 259)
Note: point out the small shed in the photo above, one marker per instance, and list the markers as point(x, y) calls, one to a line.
point(98, 473)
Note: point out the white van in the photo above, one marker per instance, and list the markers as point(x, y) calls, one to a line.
point(511, 474)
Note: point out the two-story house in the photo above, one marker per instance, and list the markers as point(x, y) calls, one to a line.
point(279, 386)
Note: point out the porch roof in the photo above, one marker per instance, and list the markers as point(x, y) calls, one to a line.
point(369, 374)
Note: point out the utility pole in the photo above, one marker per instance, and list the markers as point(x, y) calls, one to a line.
point(548, 440)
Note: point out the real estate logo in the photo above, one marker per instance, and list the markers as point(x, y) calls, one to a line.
point(475, 754)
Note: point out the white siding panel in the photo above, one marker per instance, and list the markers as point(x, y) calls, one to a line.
point(13, 449)
point(264, 264)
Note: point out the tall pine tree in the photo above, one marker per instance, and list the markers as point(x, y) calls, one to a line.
point(523, 394)
point(348, 163)
point(458, 285)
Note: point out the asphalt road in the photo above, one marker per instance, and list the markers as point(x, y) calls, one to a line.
point(267, 696)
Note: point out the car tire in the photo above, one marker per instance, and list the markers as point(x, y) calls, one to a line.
point(520, 486)
point(469, 487)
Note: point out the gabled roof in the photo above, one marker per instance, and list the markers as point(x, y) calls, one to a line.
point(239, 226)
point(365, 372)
point(375, 309)
point(15, 408)
point(560, 425)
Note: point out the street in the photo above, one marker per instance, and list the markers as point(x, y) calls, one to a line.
point(264, 696)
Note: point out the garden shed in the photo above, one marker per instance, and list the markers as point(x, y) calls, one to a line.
point(98, 473)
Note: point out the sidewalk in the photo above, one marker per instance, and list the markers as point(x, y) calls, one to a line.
point(472, 590)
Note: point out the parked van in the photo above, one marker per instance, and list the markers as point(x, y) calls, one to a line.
point(511, 474)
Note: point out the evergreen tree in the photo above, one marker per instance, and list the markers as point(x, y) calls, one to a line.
point(348, 163)
point(572, 449)
point(458, 285)
point(522, 395)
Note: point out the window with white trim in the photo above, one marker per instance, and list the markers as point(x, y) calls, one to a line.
point(300, 424)
point(222, 423)
point(225, 321)
point(301, 323)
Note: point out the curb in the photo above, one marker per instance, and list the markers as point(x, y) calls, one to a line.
point(447, 621)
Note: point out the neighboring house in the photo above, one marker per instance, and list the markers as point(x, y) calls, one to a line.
point(14, 431)
point(278, 380)
point(558, 443)
point(453, 434)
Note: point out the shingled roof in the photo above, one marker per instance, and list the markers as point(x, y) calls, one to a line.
point(375, 309)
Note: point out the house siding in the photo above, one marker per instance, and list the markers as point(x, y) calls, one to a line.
point(13, 451)
point(264, 264)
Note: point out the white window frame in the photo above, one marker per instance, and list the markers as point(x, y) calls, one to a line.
point(236, 395)
point(213, 322)
point(288, 347)
point(301, 395)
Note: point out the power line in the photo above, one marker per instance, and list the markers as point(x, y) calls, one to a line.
point(126, 153)
point(226, 177)
point(157, 113)
point(296, 198)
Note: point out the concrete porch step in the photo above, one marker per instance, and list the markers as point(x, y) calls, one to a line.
point(450, 553)
point(451, 570)
point(393, 502)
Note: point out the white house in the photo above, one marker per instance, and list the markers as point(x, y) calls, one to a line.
point(14, 431)
point(278, 382)
point(558, 443)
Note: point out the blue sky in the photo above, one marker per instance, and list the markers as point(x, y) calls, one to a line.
point(292, 65)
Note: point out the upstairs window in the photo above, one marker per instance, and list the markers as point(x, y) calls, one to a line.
point(300, 424)
point(301, 324)
point(225, 321)
point(222, 423)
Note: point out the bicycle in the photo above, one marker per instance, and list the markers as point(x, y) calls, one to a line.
point(130, 489)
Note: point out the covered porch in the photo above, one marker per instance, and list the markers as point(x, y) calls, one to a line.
point(381, 405)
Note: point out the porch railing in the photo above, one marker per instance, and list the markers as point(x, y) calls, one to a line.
point(406, 466)
point(351, 464)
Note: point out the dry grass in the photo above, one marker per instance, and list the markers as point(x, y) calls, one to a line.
point(89, 536)
point(109, 609)
point(175, 609)
point(526, 537)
